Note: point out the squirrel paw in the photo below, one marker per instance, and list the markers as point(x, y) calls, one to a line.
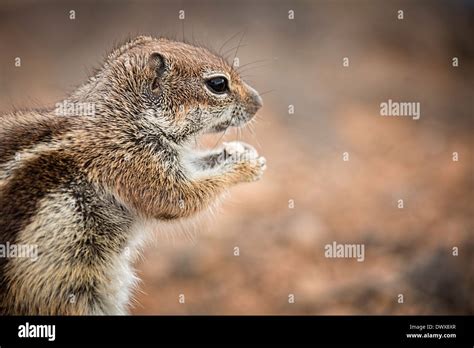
point(239, 151)
point(245, 161)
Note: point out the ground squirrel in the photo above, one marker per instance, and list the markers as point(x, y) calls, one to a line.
point(79, 187)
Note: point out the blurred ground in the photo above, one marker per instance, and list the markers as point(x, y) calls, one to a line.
point(407, 251)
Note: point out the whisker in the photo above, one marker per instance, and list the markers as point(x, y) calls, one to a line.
point(220, 138)
point(229, 39)
point(255, 62)
point(192, 35)
point(266, 92)
point(257, 117)
point(225, 54)
point(250, 68)
point(240, 41)
point(225, 130)
point(253, 132)
point(182, 21)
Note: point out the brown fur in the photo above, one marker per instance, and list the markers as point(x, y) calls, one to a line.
point(78, 186)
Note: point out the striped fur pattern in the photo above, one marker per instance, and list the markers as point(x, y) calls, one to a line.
point(80, 188)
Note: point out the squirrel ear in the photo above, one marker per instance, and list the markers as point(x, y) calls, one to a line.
point(158, 64)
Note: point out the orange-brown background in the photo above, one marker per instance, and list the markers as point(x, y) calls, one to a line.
point(407, 251)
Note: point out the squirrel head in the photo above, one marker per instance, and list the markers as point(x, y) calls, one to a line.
point(176, 88)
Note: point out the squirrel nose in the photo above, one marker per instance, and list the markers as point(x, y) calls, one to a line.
point(255, 98)
point(258, 100)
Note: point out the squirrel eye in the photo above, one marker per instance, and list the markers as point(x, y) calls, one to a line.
point(218, 84)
